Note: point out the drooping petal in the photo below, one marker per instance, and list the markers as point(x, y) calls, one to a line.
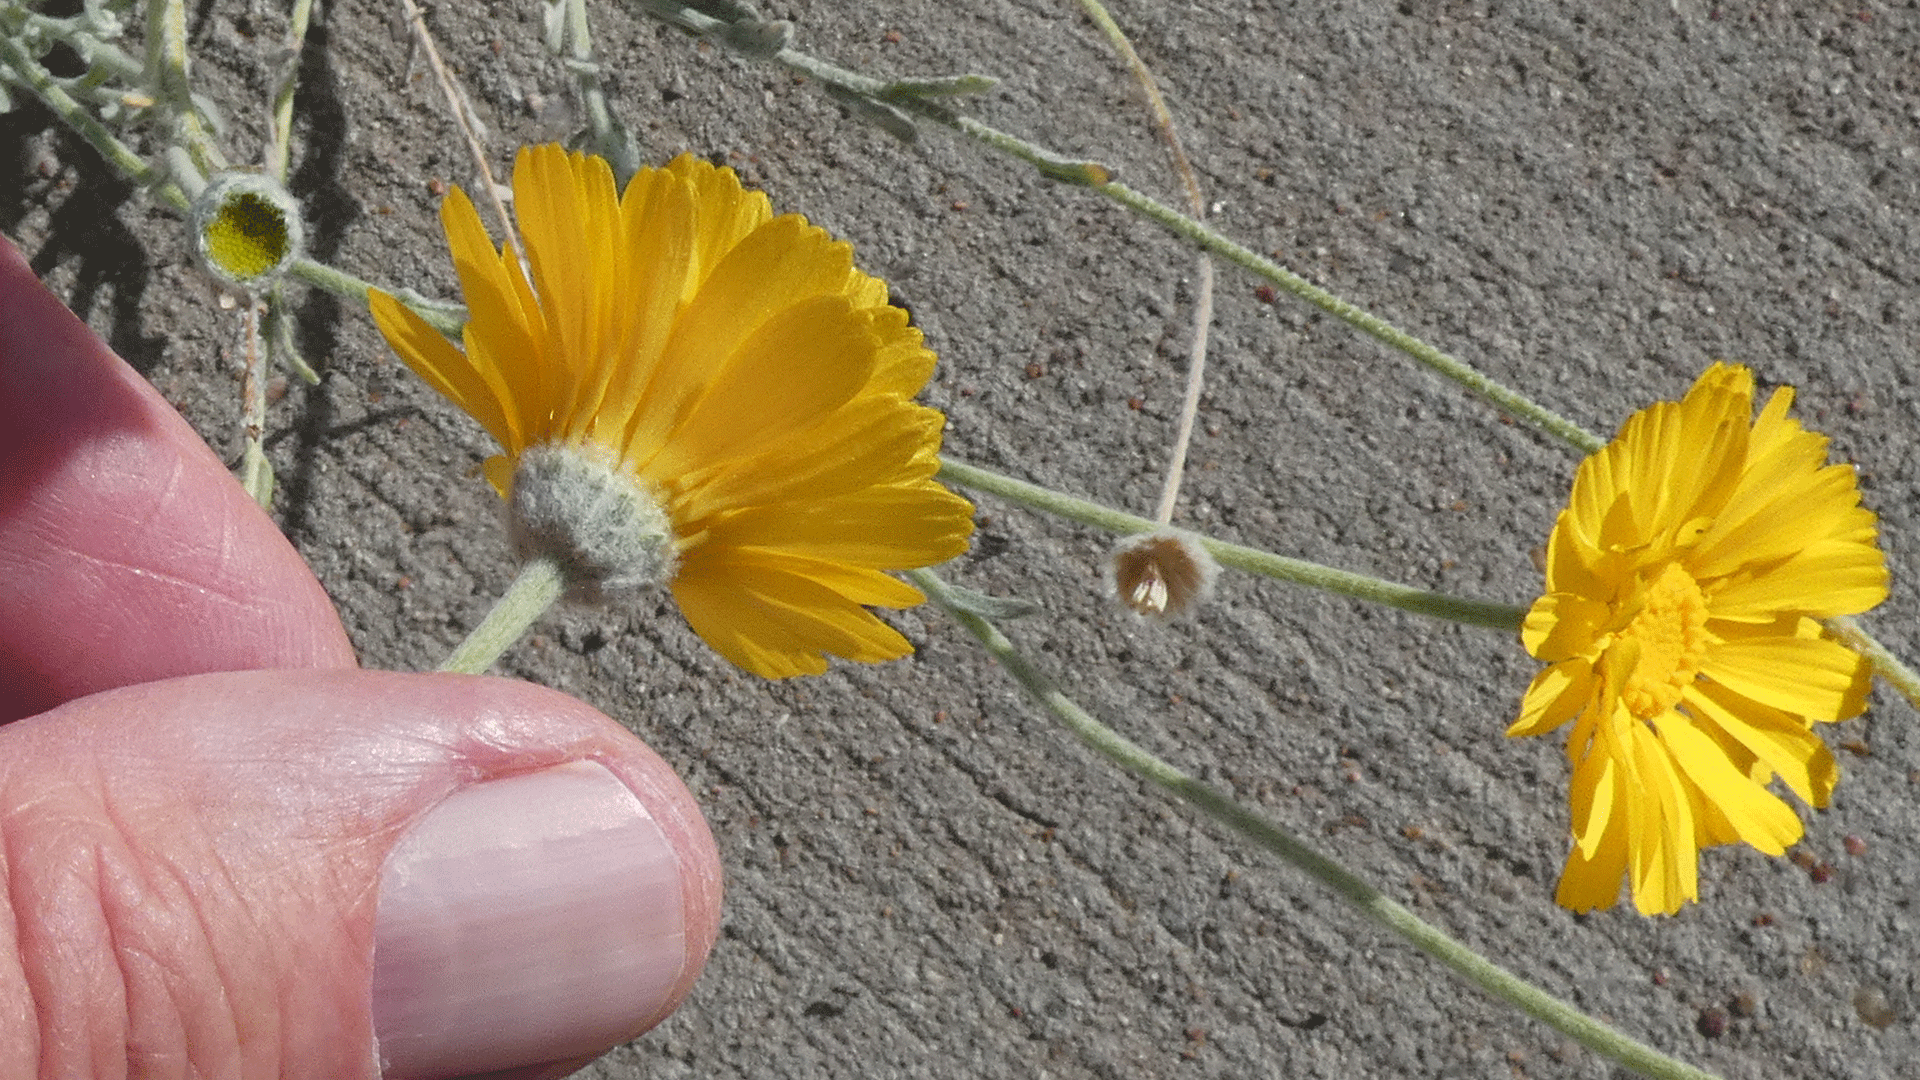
point(1557, 695)
point(1563, 624)
point(1664, 862)
point(433, 358)
point(1780, 741)
point(774, 622)
point(1756, 816)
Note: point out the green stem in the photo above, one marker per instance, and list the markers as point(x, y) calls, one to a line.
point(533, 591)
point(102, 57)
point(338, 282)
point(76, 116)
point(280, 148)
point(448, 318)
point(1097, 179)
point(168, 78)
point(1253, 560)
point(1505, 399)
point(1466, 963)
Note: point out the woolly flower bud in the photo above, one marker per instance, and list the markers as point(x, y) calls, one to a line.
point(246, 228)
point(1164, 572)
point(576, 504)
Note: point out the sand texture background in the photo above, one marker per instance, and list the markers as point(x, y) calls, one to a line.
point(926, 878)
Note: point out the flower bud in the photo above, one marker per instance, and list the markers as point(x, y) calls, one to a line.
point(246, 228)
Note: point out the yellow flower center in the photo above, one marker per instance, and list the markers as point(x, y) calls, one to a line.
point(248, 237)
point(1671, 631)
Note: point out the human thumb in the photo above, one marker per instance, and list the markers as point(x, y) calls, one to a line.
point(327, 874)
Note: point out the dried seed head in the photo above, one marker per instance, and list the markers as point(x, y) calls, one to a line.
point(1163, 573)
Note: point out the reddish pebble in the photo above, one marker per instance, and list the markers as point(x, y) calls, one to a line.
point(1266, 294)
point(1855, 845)
point(1712, 1022)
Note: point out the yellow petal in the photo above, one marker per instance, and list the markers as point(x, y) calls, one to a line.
point(904, 364)
point(1815, 678)
point(777, 624)
point(433, 358)
point(569, 221)
point(1663, 863)
point(885, 528)
point(870, 588)
point(1763, 525)
point(1592, 798)
point(729, 213)
point(803, 363)
point(1555, 696)
point(657, 231)
point(779, 265)
point(1561, 625)
point(1756, 816)
point(1780, 741)
point(503, 325)
point(1592, 879)
point(1828, 577)
point(872, 441)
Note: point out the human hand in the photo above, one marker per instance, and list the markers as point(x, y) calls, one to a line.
point(215, 870)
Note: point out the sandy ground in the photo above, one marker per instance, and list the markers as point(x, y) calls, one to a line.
point(925, 877)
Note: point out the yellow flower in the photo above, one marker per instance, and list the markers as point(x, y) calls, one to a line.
point(1684, 579)
point(732, 365)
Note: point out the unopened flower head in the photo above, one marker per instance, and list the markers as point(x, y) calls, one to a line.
point(716, 383)
point(246, 228)
point(1165, 572)
point(1685, 579)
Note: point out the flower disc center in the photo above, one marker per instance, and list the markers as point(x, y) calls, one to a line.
point(1671, 631)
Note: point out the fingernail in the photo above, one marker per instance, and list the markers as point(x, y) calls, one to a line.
point(527, 920)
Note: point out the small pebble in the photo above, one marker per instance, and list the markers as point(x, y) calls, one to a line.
point(1874, 1008)
point(1712, 1022)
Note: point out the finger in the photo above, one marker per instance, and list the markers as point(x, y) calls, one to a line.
point(273, 867)
point(127, 553)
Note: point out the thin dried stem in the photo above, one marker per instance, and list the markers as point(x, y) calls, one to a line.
point(1203, 273)
point(256, 472)
point(468, 123)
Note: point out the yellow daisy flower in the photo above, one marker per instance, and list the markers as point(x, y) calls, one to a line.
point(727, 371)
point(1684, 579)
